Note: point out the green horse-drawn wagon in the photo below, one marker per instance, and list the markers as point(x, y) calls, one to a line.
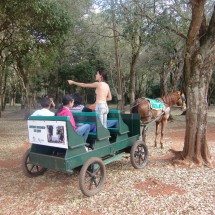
point(55, 145)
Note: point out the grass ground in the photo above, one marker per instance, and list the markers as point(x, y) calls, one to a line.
point(159, 188)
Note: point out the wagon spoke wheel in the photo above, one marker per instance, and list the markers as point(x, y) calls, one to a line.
point(92, 176)
point(139, 155)
point(29, 169)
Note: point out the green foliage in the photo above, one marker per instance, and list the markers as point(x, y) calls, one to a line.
point(82, 72)
point(154, 91)
point(56, 40)
point(32, 32)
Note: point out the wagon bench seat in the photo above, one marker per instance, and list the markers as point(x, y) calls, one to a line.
point(92, 118)
point(122, 127)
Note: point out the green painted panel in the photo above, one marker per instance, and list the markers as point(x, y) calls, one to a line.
point(111, 111)
point(76, 157)
point(100, 151)
point(113, 158)
point(50, 118)
point(116, 114)
point(74, 139)
point(92, 117)
point(48, 161)
point(133, 122)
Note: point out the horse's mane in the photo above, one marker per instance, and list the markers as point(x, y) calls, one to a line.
point(171, 98)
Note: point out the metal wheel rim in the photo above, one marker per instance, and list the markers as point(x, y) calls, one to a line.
point(93, 177)
point(139, 155)
point(32, 168)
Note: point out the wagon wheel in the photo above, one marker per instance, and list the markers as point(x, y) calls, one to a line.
point(139, 155)
point(30, 170)
point(92, 176)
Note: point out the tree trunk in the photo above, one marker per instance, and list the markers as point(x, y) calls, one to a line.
point(211, 88)
point(136, 46)
point(3, 102)
point(177, 72)
point(0, 97)
point(117, 58)
point(28, 101)
point(196, 147)
point(199, 61)
point(2, 84)
point(132, 83)
point(163, 81)
point(24, 76)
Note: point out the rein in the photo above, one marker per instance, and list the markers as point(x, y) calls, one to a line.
point(136, 103)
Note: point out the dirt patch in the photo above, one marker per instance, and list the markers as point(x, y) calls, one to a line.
point(88, 213)
point(22, 149)
point(56, 195)
point(165, 157)
point(177, 137)
point(9, 164)
point(156, 188)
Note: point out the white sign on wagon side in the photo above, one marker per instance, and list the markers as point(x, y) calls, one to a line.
point(48, 133)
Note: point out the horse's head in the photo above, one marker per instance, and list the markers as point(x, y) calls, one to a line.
point(181, 101)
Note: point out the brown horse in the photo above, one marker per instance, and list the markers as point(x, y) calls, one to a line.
point(147, 114)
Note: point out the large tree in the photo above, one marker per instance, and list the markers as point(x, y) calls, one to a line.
point(199, 62)
point(26, 28)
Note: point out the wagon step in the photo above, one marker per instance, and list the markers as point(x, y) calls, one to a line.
point(113, 158)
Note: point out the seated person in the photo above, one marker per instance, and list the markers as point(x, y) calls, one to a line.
point(46, 104)
point(52, 101)
point(112, 123)
point(64, 110)
point(78, 107)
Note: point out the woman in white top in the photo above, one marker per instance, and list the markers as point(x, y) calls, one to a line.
point(103, 94)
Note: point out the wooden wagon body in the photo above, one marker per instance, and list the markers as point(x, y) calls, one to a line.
point(55, 145)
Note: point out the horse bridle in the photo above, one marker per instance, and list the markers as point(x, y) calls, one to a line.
point(183, 100)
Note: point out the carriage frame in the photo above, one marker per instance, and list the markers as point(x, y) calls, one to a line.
point(70, 151)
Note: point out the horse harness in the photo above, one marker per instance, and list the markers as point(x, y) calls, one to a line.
point(150, 114)
point(180, 99)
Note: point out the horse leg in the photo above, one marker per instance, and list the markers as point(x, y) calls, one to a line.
point(145, 137)
point(163, 126)
point(156, 133)
point(141, 133)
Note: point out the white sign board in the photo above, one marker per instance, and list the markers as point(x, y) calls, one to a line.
point(48, 133)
